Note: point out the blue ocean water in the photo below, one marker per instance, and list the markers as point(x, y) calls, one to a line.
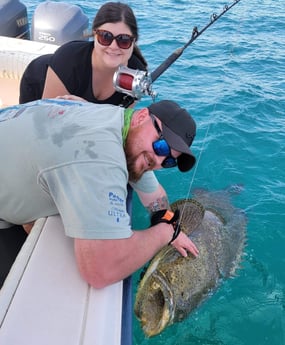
point(232, 81)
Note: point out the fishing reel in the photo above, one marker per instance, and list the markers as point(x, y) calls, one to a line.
point(133, 82)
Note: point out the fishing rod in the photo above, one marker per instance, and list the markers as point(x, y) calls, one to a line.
point(136, 83)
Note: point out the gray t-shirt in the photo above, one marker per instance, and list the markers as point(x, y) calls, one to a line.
point(67, 158)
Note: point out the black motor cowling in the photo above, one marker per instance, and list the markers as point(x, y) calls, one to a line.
point(14, 19)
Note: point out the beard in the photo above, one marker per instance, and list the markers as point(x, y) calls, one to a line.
point(131, 147)
point(134, 174)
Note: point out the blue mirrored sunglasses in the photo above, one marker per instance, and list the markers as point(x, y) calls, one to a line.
point(161, 148)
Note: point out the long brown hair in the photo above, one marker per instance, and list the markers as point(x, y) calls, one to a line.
point(114, 12)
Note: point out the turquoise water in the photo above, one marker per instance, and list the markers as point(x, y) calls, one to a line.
point(232, 81)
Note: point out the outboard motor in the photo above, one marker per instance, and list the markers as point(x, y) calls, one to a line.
point(14, 19)
point(58, 23)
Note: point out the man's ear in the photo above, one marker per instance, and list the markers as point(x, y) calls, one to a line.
point(140, 116)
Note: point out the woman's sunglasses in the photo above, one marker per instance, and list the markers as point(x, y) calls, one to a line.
point(161, 148)
point(105, 38)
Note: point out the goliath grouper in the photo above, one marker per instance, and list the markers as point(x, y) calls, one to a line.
point(172, 285)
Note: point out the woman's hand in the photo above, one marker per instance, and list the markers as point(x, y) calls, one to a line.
point(72, 98)
point(28, 227)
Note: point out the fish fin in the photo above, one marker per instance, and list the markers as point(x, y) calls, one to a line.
point(191, 214)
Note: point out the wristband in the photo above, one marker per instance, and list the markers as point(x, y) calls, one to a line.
point(177, 229)
point(167, 216)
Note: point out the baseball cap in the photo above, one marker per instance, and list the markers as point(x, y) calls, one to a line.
point(178, 129)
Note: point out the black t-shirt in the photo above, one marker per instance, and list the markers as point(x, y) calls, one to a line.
point(72, 64)
point(33, 79)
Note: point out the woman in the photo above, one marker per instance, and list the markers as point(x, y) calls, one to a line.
point(86, 69)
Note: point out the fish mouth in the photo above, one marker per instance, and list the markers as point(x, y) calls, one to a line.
point(156, 311)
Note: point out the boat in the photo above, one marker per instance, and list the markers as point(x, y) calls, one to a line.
point(44, 300)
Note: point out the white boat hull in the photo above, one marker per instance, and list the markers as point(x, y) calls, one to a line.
point(45, 301)
point(15, 55)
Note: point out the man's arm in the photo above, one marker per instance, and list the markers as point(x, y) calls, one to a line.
point(104, 262)
point(155, 201)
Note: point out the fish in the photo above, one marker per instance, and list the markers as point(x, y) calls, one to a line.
point(173, 286)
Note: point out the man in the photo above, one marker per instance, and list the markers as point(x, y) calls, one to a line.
point(76, 159)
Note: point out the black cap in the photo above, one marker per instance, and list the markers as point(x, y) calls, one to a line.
point(178, 129)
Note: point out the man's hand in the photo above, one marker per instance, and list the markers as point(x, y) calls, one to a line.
point(184, 245)
point(179, 240)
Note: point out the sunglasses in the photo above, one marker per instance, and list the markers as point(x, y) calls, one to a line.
point(105, 38)
point(161, 148)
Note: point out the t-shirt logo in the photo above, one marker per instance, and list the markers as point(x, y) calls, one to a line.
point(117, 207)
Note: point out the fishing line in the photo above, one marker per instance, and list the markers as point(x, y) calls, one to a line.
point(199, 157)
point(196, 168)
point(231, 53)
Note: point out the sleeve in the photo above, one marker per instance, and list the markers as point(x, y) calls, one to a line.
point(33, 79)
point(91, 200)
point(72, 62)
point(148, 183)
